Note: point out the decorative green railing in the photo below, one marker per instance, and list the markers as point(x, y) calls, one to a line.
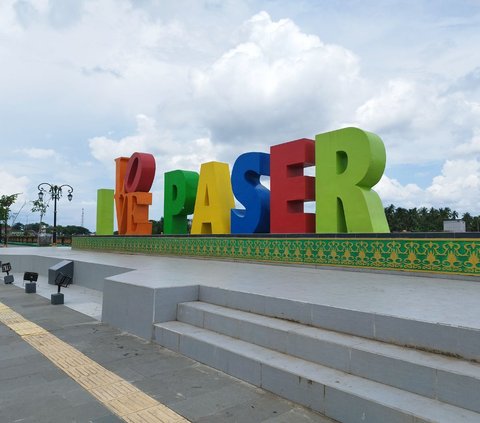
point(446, 255)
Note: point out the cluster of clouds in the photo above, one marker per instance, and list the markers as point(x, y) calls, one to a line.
point(222, 79)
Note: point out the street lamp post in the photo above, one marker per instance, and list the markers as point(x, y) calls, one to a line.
point(55, 192)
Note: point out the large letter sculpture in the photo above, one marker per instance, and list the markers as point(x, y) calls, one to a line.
point(349, 162)
point(214, 200)
point(289, 188)
point(120, 195)
point(251, 193)
point(134, 178)
point(104, 212)
point(179, 200)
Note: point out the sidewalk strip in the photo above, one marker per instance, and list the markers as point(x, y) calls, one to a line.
point(119, 396)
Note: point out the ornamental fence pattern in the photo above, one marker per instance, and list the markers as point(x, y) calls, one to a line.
point(451, 256)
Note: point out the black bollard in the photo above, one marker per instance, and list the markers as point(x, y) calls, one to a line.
point(7, 268)
point(57, 298)
point(30, 287)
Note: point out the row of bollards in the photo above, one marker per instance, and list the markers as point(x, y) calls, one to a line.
point(30, 282)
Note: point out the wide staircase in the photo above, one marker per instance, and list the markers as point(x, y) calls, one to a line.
point(349, 365)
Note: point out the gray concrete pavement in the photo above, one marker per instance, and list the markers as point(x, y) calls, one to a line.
point(33, 389)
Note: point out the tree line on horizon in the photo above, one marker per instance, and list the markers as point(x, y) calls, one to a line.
point(425, 219)
point(68, 230)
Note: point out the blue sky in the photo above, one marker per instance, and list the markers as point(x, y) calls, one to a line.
point(85, 81)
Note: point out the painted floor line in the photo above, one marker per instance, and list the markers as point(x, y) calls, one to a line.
point(119, 396)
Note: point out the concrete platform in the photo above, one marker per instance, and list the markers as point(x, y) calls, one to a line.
point(434, 300)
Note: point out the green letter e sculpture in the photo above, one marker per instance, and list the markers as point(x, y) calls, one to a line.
point(349, 162)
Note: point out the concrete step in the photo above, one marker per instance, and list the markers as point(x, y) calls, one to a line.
point(447, 379)
point(336, 394)
point(430, 336)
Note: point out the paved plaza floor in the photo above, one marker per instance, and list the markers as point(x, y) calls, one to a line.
point(34, 389)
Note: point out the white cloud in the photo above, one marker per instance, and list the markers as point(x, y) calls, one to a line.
point(392, 191)
point(457, 187)
point(420, 120)
point(37, 153)
point(11, 184)
point(194, 154)
point(147, 139)
point(8, 19)
point(395, 105)
point(470, 147)
point(276, 82)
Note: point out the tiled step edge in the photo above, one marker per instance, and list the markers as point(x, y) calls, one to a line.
point(435, 376)
point(429, 336)
point(337, 395)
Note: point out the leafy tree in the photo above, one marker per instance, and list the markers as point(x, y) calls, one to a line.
point(18, 227)
point(157, 226)
point(390, 215)
point(425, 220)
point(6, 202)
point(475, 227)
point(41, 207)
point(34, 227)
point(472, 223)
point(70, 230)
